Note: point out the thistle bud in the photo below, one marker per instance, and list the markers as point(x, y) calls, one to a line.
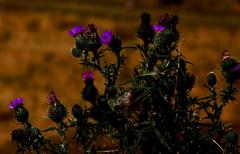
point(57, 112)
point(89, 92)
point(76, 52)
point(93, 41)
point(145, 19)
point(167, 36)
point(170, 21)
point(80, 42)
point(145, 31)
point(21, 114)
point(211, 79)
point(115, 44)
point(227, 65)
point(163, 41)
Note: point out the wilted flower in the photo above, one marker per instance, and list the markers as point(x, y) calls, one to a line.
point(106, 37)
point(126, 99)
point(76, 30)
point(225, 55)
point(91, 29)
point(88, 76)
point(158, 28)
point(170, 21)
point(52, 98)
point(15, 103)
point(57, 111)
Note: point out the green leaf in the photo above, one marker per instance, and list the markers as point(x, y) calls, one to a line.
point(161, 139)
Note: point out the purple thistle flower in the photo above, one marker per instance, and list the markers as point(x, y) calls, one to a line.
point(158, 28)
point(76, 30)
point(88, 76)
point(236, 69)
point(52, 98)
point(106, 37)
point(15, 103)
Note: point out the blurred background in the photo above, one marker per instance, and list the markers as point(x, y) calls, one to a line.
point(35, 48)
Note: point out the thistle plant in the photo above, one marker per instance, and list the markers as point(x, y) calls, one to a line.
point(28, 137)
point(154, 113)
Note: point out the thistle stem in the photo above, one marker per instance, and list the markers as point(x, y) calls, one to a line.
point(61, 131)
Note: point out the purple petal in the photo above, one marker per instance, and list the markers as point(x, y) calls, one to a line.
point(10, 106)
point(158, 28)
point(15, 103)
point(236, 69)
point(76, 30)
point(88, 75)
point(106, 37)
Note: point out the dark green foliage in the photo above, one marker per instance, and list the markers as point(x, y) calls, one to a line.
point(154, 111)
point(28, 138)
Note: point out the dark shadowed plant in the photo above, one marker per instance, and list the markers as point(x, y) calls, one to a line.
point(152, 112)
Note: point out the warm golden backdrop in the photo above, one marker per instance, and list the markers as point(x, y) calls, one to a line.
point(35, 45)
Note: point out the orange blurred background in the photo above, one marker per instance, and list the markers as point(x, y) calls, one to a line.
point(35, 48)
